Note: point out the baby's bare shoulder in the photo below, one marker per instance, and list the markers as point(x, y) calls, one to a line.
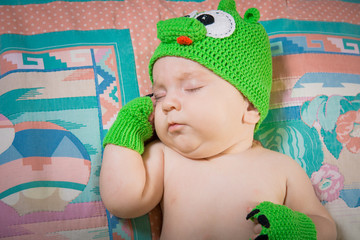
point(270, 155)
point(154, 149)
point(156, 144)
point(277, 159)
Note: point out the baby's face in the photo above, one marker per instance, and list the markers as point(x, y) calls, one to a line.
point(197, 113)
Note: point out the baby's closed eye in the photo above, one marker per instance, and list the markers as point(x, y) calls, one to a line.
point(159, 97)
point(192, 85)
point(193, 89)
point(159, 94)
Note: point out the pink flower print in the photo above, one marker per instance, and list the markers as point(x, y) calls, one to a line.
point(327, 182)
point(348, 130)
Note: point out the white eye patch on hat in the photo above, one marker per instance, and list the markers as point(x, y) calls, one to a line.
point(218, 24)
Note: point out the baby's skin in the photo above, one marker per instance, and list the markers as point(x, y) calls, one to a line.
point(205, 170)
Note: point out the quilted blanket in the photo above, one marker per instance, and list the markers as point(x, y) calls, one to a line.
point(67, 67)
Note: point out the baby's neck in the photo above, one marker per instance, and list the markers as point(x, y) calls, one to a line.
point(239, 148)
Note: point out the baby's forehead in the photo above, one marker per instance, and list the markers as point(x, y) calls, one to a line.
point(179, 69)
point(181, 77)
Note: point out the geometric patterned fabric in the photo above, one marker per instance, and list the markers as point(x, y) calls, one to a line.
point(67, 67)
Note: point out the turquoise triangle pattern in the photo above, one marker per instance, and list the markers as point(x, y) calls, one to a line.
point(67, 145)
point(102, 63)
point(113, 94)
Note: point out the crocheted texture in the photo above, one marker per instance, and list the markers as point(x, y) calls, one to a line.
point(243, 58)
point(280, 222)
point(132, 127)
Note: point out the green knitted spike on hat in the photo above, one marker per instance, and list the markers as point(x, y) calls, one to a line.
point(237, 49)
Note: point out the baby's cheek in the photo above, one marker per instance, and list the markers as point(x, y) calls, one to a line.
point(159, 122)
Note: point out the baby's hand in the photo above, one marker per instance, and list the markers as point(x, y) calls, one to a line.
point(280, 222)
point(132, 127)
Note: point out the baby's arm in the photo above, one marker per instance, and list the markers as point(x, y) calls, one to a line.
point(301, 197)
point(301, 217)
point(130, 184)
point(131, 179)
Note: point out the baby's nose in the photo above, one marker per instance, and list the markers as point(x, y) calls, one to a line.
point(171, 102)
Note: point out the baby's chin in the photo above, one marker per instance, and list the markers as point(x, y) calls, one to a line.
point(196, 152)
point(193, 155)
point(193, 146)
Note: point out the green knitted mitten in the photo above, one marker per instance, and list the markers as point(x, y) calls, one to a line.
point(132, 127)
point(280, 222)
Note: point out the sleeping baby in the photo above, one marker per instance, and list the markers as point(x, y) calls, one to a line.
point(211, 77)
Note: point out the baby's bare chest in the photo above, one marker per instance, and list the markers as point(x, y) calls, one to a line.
point(217, 195)
point(228, 184)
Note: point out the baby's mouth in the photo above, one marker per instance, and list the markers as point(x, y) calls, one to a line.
point(174, 127)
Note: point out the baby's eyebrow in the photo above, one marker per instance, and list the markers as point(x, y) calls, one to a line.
point(156, 88)
point(186, 75)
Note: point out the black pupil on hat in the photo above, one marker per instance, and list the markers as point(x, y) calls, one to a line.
point(206, 19)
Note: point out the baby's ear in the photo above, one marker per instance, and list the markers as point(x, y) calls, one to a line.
point(251, 115)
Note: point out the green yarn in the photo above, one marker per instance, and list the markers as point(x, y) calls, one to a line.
point(285, 223)
point(181, 27)
point(242, 58)
point(132, 127)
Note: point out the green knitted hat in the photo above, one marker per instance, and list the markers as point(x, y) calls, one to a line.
point(236, 49)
